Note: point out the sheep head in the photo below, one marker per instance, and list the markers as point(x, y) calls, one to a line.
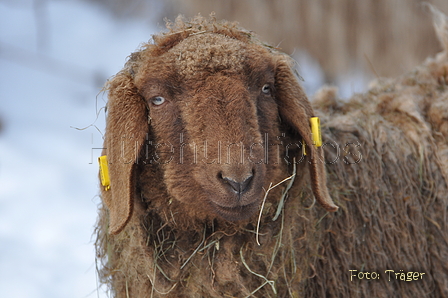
point(201, 107)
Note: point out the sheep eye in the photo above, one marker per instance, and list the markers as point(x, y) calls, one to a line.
point(266, 89)
point(158, 100)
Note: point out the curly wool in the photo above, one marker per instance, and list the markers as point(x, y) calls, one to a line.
point(388, 177)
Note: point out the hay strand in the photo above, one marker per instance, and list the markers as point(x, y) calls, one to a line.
point(266, 281)
point(266, 192)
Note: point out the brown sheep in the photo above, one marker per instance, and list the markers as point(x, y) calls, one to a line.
point(206, 119)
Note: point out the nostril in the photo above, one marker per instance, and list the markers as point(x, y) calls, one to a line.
point(238, 186)
point(246, 183)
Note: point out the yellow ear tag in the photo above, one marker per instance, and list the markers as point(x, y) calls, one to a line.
point(104, 172)
point(315, 131)
point(303, 147)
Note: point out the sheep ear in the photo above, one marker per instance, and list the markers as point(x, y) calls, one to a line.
point(296, 110)
point(126, 129)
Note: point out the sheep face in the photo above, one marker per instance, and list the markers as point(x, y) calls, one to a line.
point(202, 122)
point(211, 109)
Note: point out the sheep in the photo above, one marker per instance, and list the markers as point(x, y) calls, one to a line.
point(214, 175)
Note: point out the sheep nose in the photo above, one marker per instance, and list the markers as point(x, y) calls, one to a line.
point(239, 187)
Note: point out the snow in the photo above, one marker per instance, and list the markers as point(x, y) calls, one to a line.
point(313, 77)
point(52, 67)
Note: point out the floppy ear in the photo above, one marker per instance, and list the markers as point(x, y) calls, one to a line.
point(126, 129)
point(296, 111)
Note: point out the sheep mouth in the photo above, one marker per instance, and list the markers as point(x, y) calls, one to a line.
point(236, 213)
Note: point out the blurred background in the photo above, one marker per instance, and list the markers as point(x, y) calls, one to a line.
point(55, 56)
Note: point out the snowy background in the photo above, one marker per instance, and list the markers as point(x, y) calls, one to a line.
point(54, 58)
